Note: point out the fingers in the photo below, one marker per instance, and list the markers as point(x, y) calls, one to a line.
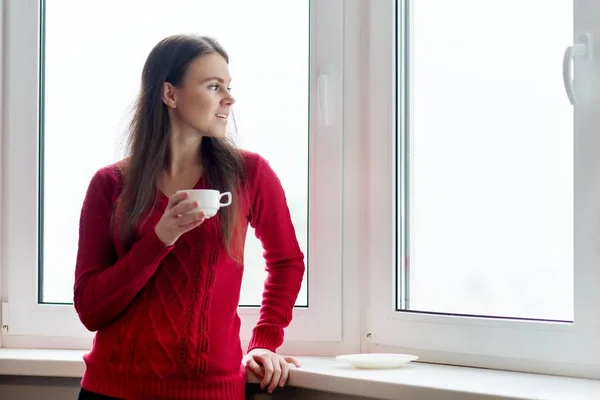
point(275, 371)
point(285, 373)
point(196, 220)
point(256, 369)
point(293, 360)
point(276, 377)
point(176, 199)
point(185, 219)
point(178, 218)
point(268, 371)
point(182, 208)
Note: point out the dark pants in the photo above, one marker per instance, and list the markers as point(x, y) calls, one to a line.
point(85, 395)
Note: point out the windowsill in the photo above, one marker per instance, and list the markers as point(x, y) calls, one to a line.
point(417, 380)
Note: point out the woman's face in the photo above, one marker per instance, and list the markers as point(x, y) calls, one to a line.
point(203, 100)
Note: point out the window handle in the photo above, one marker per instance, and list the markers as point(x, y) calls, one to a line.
point(323, 88)
point(576, 51)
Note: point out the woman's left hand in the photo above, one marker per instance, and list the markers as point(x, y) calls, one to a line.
point(270, 367)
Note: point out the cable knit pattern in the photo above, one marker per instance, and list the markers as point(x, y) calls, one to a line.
point(166, 317)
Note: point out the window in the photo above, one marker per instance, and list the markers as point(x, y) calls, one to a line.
point(450, 163)
point(77, 79)
point(498, 217)
point(493, 195)
point(259, 113)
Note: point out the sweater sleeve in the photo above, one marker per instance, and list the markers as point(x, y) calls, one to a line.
point(105, 286)
point(271, 220)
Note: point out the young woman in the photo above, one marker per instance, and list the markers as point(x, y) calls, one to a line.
point(159, 285)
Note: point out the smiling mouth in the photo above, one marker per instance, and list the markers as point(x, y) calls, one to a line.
point(222, 116)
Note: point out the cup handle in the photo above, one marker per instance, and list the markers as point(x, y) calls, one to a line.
point(228, 194)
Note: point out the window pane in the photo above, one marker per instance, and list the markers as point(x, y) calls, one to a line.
point(94, 54)
point(491, 170)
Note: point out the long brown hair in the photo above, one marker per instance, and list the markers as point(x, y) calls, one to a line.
point(148, 142)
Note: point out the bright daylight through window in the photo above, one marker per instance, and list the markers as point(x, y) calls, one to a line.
point(486, 197)
point(90, 80)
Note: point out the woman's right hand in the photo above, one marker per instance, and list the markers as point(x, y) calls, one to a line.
point(175, 222)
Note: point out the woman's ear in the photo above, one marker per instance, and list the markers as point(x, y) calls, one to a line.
point(168, 95)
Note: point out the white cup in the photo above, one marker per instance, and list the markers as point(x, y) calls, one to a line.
point(209, 200)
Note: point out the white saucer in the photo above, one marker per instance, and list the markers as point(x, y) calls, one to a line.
point(377, 360)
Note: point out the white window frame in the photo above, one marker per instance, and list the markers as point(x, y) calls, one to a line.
point(544, 347)
point(29, 324)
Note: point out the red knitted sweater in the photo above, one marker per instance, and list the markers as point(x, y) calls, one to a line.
point(166, 317)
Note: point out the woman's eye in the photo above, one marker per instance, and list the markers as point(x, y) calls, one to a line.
point(216, 87)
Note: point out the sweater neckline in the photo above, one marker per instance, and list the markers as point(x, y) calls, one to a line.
point(164, 199)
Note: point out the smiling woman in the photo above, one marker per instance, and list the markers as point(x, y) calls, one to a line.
point(192, 129)
point(159, 283)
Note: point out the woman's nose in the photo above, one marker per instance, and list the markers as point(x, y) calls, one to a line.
point(228, 100)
